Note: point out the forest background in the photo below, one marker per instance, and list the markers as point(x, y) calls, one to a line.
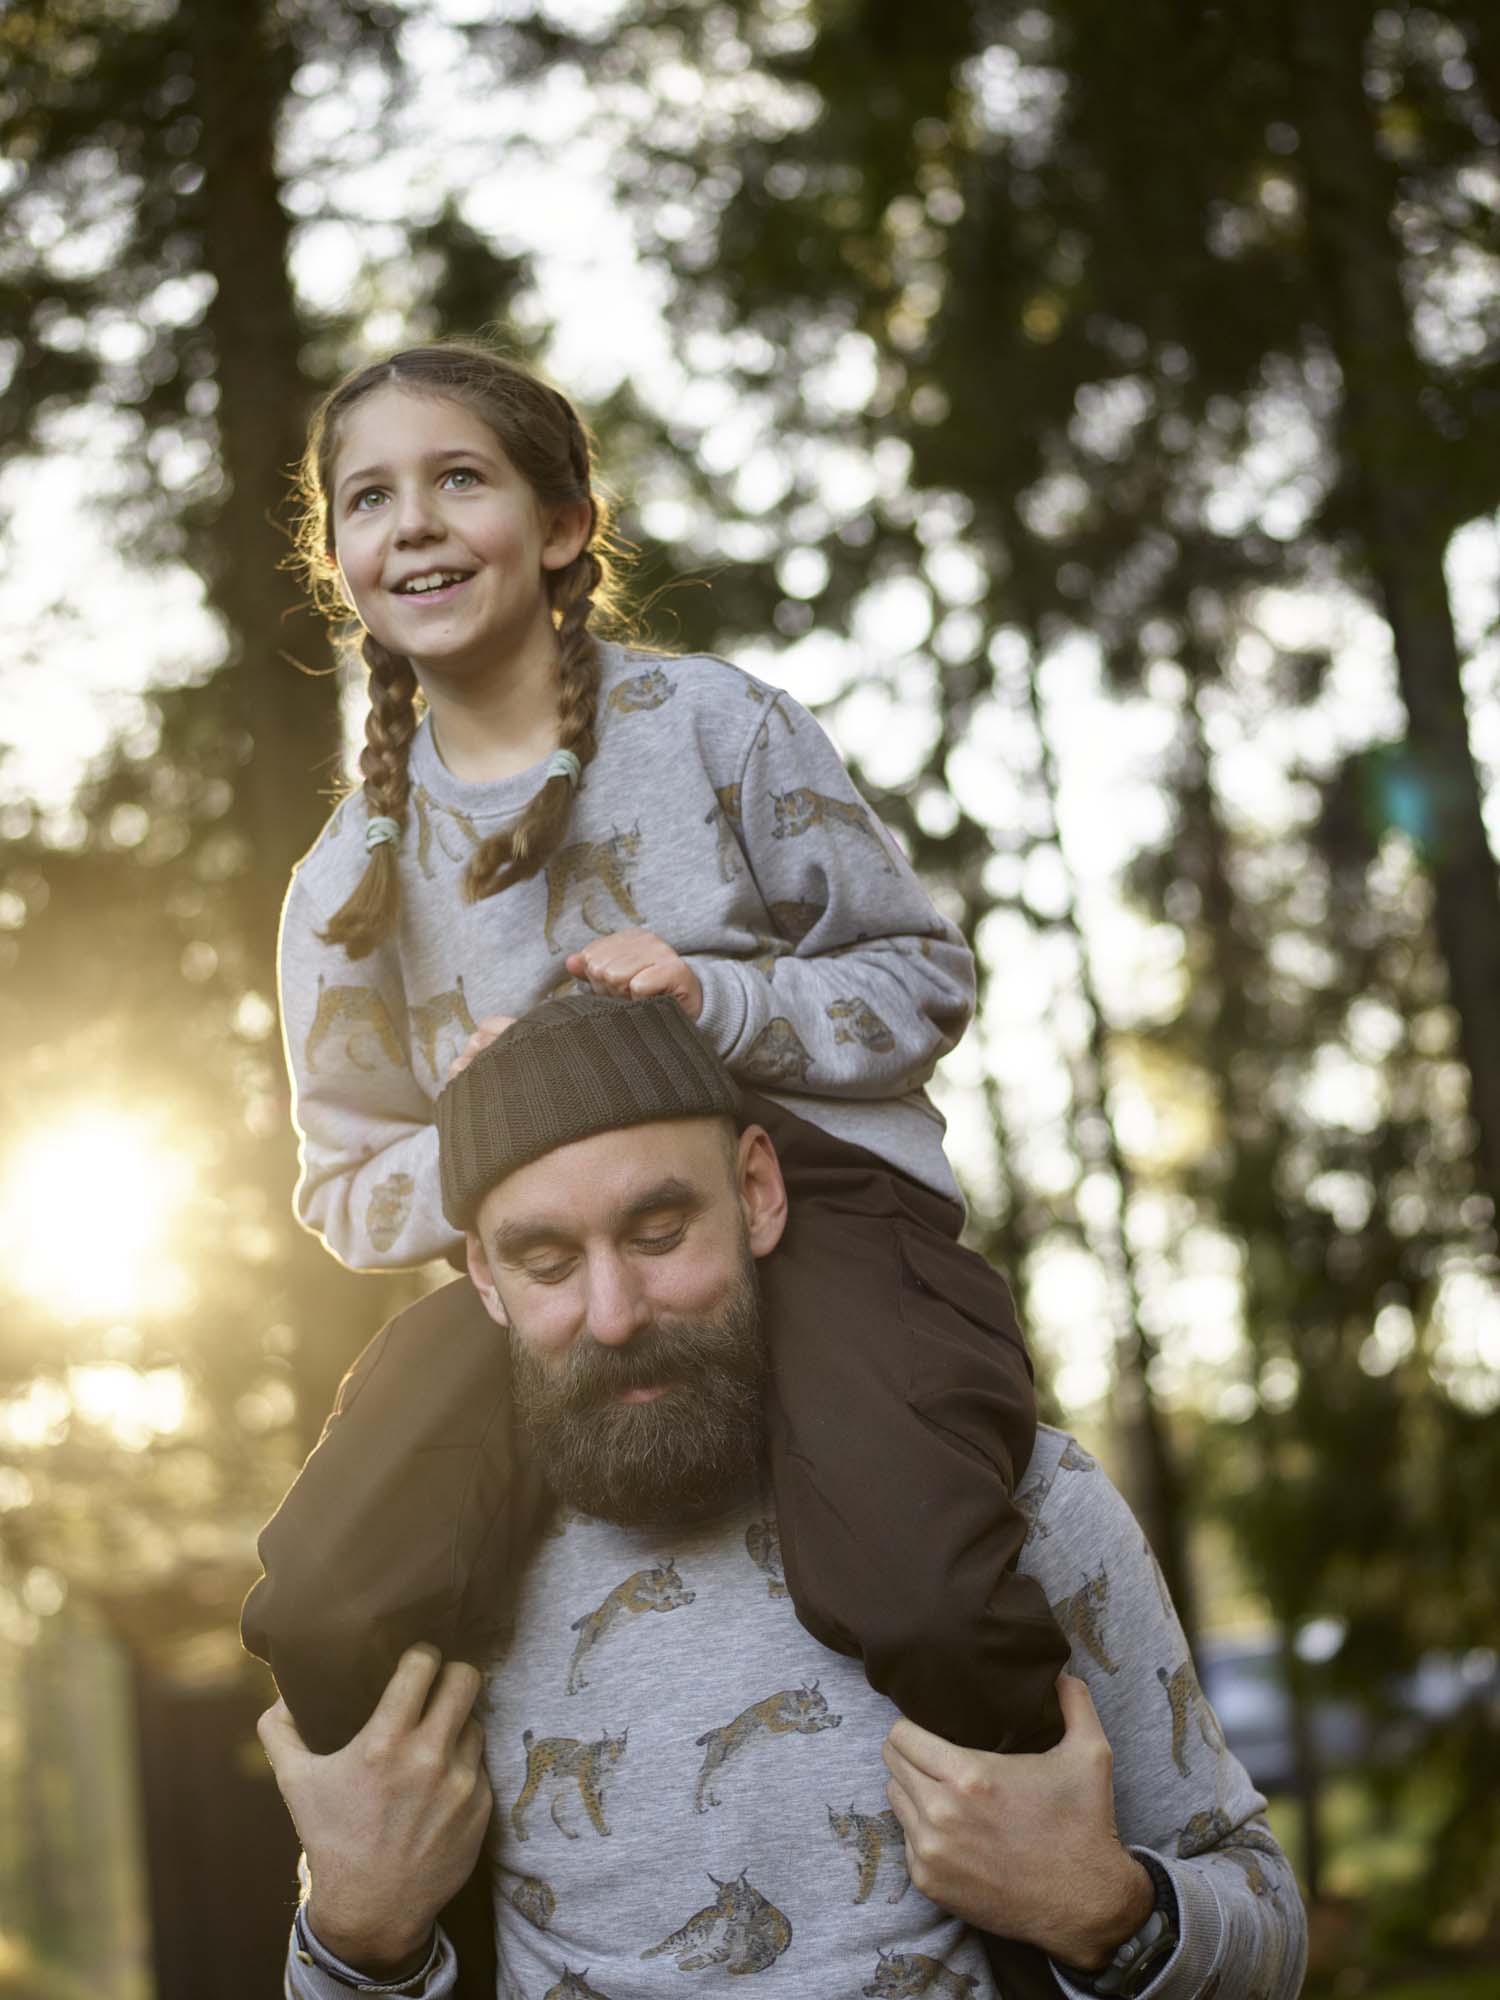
point(1094, 411)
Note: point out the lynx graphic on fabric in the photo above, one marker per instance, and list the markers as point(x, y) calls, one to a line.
point(1188, 1705)
point(390, 1204)
point(643, 691)
point(594, 875)
point(800, 811)
point(777, 1055)
point(574, 1986)
point(352, 1029)
point(571, 1773)
point(856, 1021)
point(1081, 1618)
point(899, 1973)
point(879, 1849)
point(763, 1546)
point(535, 1899)
point(1203, 1831)
point(440, 1029)
point(444, 835)
point(739, 1930)
point(725, 819)
point(789, 1712)
point(659, 1588)
point(797, 919)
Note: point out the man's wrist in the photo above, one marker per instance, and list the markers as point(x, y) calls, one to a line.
point(1129, 1896)
point(385, 1958)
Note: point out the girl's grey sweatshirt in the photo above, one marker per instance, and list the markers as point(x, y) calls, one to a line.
point(716, 814)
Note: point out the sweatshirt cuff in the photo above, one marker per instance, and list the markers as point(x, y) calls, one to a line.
point(725, 1011)
point(1200, 1937)
point(313, 1973)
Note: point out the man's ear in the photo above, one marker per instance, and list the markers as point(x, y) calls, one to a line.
point(762, 1191)
point(483, 1279)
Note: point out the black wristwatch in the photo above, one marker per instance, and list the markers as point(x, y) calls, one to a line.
point(1140, 1958)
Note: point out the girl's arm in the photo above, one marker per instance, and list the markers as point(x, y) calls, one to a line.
point(863, 985)
point(368, 1147)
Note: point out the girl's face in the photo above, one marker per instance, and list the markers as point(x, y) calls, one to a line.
point(442, 546)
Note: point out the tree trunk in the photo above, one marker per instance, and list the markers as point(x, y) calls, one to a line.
point(290, 717)
point(1394, 465)
point(242, 72)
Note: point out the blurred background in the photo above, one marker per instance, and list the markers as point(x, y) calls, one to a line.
point(1094, 411)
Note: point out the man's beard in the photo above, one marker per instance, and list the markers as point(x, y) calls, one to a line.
point(681, 1457)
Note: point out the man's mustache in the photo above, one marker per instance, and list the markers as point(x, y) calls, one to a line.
point(659, 1354)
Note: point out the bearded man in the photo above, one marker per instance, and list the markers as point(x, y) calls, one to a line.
point(678, 1778)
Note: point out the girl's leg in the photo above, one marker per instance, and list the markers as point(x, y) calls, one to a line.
point(902, 1417)
point(408, 1522)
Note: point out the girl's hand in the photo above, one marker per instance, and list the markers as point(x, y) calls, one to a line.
point(634, 965)
point(489, 1030)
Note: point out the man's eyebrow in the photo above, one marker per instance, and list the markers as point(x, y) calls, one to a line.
point(511, 1241)
point(370, 472)
point(673, 1192)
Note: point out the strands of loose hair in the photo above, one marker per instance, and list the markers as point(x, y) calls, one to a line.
point(546, 441)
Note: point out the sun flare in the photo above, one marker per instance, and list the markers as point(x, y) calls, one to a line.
point(86, 1212)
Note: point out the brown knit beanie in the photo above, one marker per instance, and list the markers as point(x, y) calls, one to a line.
point(568, 1069)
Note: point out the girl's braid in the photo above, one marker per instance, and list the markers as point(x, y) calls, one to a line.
point(369, 916)
point(522, 850)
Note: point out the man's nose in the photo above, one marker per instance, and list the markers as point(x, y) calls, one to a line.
point(617, 1305)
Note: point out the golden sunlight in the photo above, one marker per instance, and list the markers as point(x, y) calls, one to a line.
point(86, 1209)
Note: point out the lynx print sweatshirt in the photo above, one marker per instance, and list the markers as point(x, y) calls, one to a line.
point(689, 1788)
point(716, 814)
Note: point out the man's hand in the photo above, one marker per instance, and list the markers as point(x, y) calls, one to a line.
point(490, 1029)
point(636, 964)
point(392, 1823)
point(1023, 1846)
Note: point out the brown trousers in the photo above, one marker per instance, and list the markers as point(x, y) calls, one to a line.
point(901, 1417)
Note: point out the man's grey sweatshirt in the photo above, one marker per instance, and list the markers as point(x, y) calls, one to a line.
point(687, 1783)
point(716, 814)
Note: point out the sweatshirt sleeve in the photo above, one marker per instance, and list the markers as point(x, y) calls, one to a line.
point(315, 1974)
point(866, 985)
point(367, 1144)
point(1181, 1796)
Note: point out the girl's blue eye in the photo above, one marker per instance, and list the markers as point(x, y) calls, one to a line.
point(463, 472)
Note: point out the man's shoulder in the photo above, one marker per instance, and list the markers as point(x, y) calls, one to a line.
point(1068, 1500)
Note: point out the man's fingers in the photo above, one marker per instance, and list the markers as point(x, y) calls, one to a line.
point(903, 1805)
point(279, 1736)
point(1080, 1717)
point(399, 1708)
point(933, 1756)
point(469, 1749)
point(452, 1701)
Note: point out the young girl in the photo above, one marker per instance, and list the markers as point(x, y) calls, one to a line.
point(541, 809)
